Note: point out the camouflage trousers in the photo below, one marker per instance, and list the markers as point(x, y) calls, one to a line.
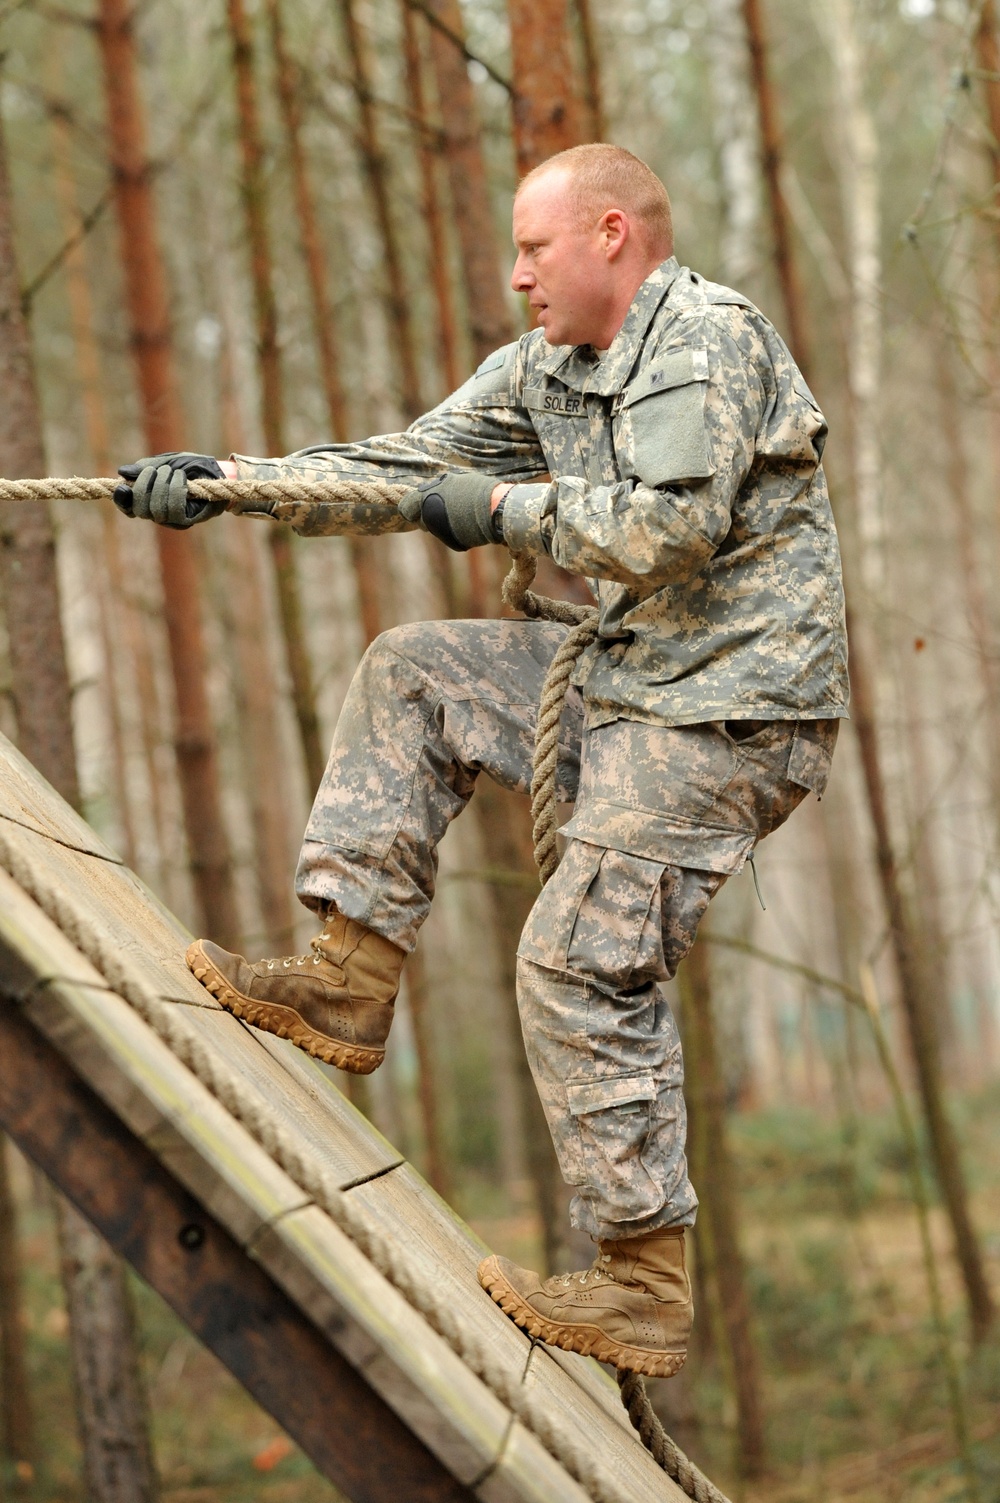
point(663, 815)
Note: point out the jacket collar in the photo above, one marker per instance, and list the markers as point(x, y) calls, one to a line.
point(575, 365)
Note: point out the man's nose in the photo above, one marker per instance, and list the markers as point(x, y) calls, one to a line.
point(521, 279)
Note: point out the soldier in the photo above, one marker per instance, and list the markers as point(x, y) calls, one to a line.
point(653, 435)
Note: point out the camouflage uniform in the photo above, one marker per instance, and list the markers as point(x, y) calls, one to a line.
point(687, 486)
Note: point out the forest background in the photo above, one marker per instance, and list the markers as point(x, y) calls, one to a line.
point(255, 226)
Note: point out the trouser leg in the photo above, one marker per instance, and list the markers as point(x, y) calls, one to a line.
point(600, 1036)
point(431, 705)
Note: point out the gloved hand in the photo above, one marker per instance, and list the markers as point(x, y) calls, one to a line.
point(159, 489)
point(455, 508)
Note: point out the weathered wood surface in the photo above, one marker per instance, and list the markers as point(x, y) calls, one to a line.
point(271, 1231)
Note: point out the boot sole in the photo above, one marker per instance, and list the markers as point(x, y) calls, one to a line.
point(285, 1022)
point(589, 1341)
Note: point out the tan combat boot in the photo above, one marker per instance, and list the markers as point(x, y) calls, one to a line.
point(632, 1308)
point(335, 1002)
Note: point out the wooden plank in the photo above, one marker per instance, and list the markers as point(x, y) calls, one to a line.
point(268, 1344)
point(165, 1106)
point(325, 1125)
point(212, 1156)
point(27, 799)
point(622, 1456)
point(406, 1362)
point(442, 1250)
point(526, 1473)
point(113, 901)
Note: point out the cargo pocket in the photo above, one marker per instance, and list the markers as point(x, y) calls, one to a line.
point(612, 1118)
point(663, 434)
point(599, 918)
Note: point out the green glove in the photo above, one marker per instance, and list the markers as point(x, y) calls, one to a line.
point(159, 489)
point(455, 508)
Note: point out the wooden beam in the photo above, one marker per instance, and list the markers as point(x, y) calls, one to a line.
point(219, 1292)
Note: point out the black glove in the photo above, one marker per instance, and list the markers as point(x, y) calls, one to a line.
point(159, 489)
point(455, 508)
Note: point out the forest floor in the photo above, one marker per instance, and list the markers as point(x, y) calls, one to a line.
point(853, 1386)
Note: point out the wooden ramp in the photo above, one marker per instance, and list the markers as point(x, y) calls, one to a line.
point(99, 1098)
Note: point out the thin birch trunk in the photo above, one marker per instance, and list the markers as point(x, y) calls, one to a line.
point(860, 189)
point(506, 834)
point(593, 94)
point(324, 321)
point(149, 324)
point(43, 703)
point(736, 139)
point(258, 697)
point(706, 1088)
point(545, 107)
point(17, 1421)
point(110, 602)
point(490, 323)
point(376, 172)
point(417, 993)
point(772, 152)
point(987, 47)
point(430, 197)
point(254, 196)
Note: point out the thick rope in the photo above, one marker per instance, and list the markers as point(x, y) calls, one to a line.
point(583, 621)
point(239, 495)
point(664, 1451)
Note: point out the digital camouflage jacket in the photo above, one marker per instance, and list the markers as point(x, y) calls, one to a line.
point(686, 485)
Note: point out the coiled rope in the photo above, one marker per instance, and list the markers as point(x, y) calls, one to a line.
point(250, 1107)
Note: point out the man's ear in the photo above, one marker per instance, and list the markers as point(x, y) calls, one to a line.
point(615, 230)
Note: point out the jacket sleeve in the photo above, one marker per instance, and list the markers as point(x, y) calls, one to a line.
point(481, 426)
point(685, 446)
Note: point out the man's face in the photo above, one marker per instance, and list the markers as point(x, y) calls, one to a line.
point(564, 268)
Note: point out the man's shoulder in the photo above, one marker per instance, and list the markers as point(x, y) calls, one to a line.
point(700, 313)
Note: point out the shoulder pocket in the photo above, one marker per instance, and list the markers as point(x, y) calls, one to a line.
point(664, 409)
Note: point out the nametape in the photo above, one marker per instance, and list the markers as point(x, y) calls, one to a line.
point(565, 403)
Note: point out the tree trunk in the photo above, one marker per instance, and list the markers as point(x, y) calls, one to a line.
point(40, 681)
point(417, 995)
point(430, 195)
point(490, 323)
point(111, 1404)
point(324, 321)
point(988, 57)
point(860, 192)
point(736, 138)
point(506, 834)
point(149, 323)
point(705, 1089)
point(546, 111)
point(261, 746)
point(254, 197)
point(109, 600)
point(772, 152)
point(593, 94)
point(17, 1428)
point(376, 172)
point(918, 1010)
